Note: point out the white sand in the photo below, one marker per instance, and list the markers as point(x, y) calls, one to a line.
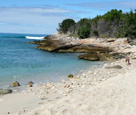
point(16, 102)
point(115, 96)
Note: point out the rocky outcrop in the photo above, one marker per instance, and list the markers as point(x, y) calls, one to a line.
point(96, 50)
point(100, 56)
point(90, 57)
point(15, 84)
point(5, 91)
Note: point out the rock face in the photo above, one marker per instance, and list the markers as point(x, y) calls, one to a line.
point(90, 57)
point(98, 56)
point(5, 91)
point(67, 45)
point(15, 84)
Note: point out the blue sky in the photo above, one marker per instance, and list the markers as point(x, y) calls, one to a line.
point(43, 16)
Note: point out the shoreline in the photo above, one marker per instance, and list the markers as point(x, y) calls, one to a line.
point(77, 95)
point(50, 93)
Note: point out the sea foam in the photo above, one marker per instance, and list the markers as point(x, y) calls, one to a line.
point(37, 38)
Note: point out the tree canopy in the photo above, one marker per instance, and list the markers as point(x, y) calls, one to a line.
point(65, 25)
point(114, 23)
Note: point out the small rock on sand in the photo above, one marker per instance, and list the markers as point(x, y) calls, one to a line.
point(15, 84)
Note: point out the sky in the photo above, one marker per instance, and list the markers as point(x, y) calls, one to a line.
point(43, 16)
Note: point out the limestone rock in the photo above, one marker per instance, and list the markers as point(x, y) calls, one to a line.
point(15, 84)
point(5, 91)
point(30, 84)
point(114, 67)
point(89, 56)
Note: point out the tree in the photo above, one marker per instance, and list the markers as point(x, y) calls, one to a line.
point(83, 32)
point(65, 25)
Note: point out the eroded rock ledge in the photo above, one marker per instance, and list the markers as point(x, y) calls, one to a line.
point(95, 49)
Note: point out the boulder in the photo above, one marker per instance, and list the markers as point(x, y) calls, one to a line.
point(15, 84)
point(89, 56)
point(30, 84)
point(5, 91)
point(114, 67)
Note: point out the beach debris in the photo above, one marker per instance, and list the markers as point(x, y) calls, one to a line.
point(5, 91)
point(15, 84)
point(67, 86)
point(30, 84)
point(114, 67)
point(70, 76)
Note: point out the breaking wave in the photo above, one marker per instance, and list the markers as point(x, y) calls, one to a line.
point(32, 37)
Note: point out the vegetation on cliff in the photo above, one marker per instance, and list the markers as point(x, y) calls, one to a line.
point(65, 25)
point(114, 23)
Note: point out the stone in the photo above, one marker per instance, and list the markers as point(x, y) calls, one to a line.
point(15, 84)
point(5, 91)
point(114, 67)
point(30, 84)
point(66, 86)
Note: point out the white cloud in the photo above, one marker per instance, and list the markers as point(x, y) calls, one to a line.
point(32, 17)
point(106, 5)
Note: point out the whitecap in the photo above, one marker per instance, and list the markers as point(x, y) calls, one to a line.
point(32, 37)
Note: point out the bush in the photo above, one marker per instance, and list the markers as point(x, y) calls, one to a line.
point(65, 25)
point(85, 22)
point(117, 35)
point(95, 33)
point(83, 32)
point(70, 76)
point(111, 15)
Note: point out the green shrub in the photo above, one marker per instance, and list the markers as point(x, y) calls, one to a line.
point(65, 25)
point(85, 22)
point(83, 32)
point(95, 33)
point(117, 35)
point(111, 15)
point(70, 76)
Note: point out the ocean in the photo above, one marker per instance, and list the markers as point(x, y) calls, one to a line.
point(23, 62)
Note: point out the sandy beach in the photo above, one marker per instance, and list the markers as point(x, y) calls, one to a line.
point(105, 90)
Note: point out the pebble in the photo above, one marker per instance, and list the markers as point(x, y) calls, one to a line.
point(63, 81)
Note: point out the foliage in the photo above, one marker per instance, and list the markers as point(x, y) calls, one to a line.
point(111, 15)
point(95, 33)
point(96, 18)
point(130, 24)
point(65, 25)
point(114, 23)
point(117, 35)
point(85, 22)
point(70, 76)
point(83, 32)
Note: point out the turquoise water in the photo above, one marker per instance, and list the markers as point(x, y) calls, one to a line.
point(22, 62)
